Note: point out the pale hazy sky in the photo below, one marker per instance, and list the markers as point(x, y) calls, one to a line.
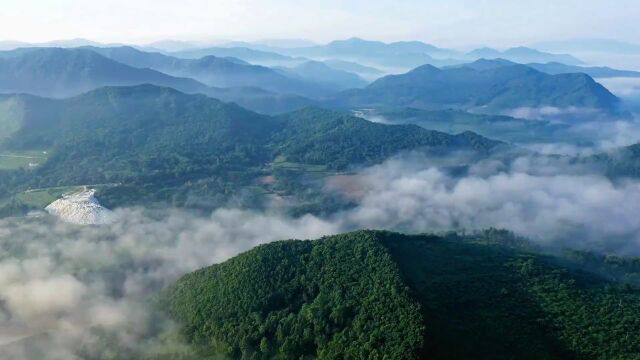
point(445, 23)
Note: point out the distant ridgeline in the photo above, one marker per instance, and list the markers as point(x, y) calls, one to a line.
point(484, 86)
point(137, 143)
point(381, 295)
point(157, 144)
point(59, 73)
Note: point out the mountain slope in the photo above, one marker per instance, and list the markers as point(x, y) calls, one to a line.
point(356, 47)
point(593, 71)
point(322, 73)
point(318, 136)
point(167, 146)
point(58, 73)
point(619, 162)
point(326, 299)
point(397, 55)
point(431, 297)
point(523, 55)
point(366, 72)
point(55, 72)
point(499, 127)
point(553, 68)
point(250, 55)
point(224, 72)
point(492, 88)
point(148, 59)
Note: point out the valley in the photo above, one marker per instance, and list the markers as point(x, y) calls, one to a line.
point(412, 181)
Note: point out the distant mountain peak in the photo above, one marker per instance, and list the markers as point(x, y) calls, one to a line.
point(427, 68)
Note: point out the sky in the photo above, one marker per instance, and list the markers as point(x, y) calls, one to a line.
point(454, 23)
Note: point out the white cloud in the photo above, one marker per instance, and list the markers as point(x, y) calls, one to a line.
point(66, 279)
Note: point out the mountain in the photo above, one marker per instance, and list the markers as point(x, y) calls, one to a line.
point(553, 68)
point(593, 71)
point(371, 294)
point(337, 140)
point(220, 72)
point(623, 162)
point(224, 73)
point(57, 72)
point(485, 53)
point(147, 144)
point(359, 47)
point(485, 64)
point(273, 45)
point(260, 100)
point(148, 59)
point(523, 55)
point(397, 55)
point(170, 45)
point(321, 73)
point(499, 127)
point(366, 72)
point(250, 55)
point(489, 88)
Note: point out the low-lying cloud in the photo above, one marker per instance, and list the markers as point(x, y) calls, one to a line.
point(546, 200)
point(552, 113)
point(63, 280)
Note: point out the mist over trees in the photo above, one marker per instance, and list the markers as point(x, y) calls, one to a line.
point(287, 199)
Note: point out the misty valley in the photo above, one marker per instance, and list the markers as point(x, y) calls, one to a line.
point(289, 199)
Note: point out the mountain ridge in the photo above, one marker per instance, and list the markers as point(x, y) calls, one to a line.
point(492, 88)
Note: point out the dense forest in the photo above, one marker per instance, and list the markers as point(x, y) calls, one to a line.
point(332, 298)
point(153, 144)
point(367, 294)
point(488, 88)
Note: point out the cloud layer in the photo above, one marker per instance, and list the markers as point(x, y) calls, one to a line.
point(66, 281)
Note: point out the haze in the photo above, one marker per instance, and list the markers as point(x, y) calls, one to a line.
point(457, 23)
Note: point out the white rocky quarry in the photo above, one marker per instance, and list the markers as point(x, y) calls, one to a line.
point(81, 208)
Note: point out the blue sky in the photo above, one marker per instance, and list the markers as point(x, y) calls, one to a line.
point(456, 23)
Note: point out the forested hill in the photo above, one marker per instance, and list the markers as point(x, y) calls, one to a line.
point(60, 73)
point(492, 88)
point(217, 71)
point(617, 162)
point(157, 139)
point(375, 295)
point(55, 72)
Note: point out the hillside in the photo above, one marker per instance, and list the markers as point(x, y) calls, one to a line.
point(221, 72)
point(492, 88)
point(321, 73)
point(593, 71)
point(554, 68)
point(178, 148)
point(267, 58)
point(499, 127)
point(60, 73)
point(56, 72)
point(618, 162)
point(523, 55)
point(383, 295)
point(318, 136)
point(366, 72)
point(396, 55)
